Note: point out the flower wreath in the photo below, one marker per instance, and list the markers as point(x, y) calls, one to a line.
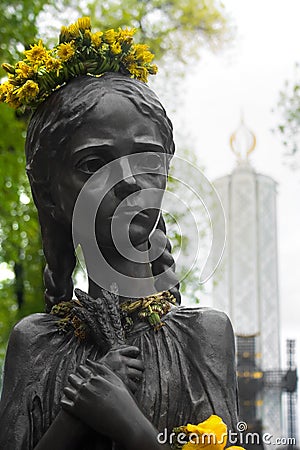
point(79, 52)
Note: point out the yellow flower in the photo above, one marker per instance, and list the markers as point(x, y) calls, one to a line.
point(8, 68)
point(209, 435)
point(148, 57)
point(66, 51)
point(142, 53)
point(5, 89)
point(37, 54)
point(153, 69)
point(53, 64)
point(116, 48)
point(64, 34)
point(84, 23)
point(88, 34)
point(23, 70)
point(13, 100)
point(125, 35)
point(139, 72)
point(28, 91)
point(110, 36)
point(235, 447)
point(129, 59)
point(96, 38)
point(73, 30)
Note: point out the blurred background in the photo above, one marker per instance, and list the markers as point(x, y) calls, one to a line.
point(229, 80)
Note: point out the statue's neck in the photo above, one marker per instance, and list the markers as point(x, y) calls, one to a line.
point(139, 274)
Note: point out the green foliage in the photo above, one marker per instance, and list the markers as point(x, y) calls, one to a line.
point(179, 28)
point(20, 244)
point(18, 26)
point(289, 108)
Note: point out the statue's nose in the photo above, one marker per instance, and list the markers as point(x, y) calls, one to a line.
point(128, 183)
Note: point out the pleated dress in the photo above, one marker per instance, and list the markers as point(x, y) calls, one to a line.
point(189, 374)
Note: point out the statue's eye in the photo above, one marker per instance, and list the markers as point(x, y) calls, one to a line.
point(90, 165)
point(152, 161)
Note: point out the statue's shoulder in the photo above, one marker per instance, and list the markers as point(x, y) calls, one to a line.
point(200, 314)
point(29, 328)
point(205, 325)
point(23, 348)
point(29, 324)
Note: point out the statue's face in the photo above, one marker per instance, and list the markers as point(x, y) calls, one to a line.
point(114, 129)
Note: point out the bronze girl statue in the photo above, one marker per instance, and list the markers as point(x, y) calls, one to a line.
point(99, 372)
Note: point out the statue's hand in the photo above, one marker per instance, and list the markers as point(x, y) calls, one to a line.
point(99, 398)
point(124, 362)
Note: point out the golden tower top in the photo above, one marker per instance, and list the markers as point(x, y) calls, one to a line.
point(242, 141)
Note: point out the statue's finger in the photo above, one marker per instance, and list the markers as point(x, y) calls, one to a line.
point(76, 381)
point(130, 351)
point(134, 363)
point(70, 393)
point(108, 375)
point(67, 404)
point(134, 374)
point(96, 366)
point(85, 372)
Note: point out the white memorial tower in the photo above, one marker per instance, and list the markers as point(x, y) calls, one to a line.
point(245, 285)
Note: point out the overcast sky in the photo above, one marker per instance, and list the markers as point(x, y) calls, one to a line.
point(249, 76)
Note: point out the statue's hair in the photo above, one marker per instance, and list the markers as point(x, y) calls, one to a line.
point(50, 126)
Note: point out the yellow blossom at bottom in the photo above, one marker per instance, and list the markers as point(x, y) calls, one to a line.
point(235, 447)
point(209, 435)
